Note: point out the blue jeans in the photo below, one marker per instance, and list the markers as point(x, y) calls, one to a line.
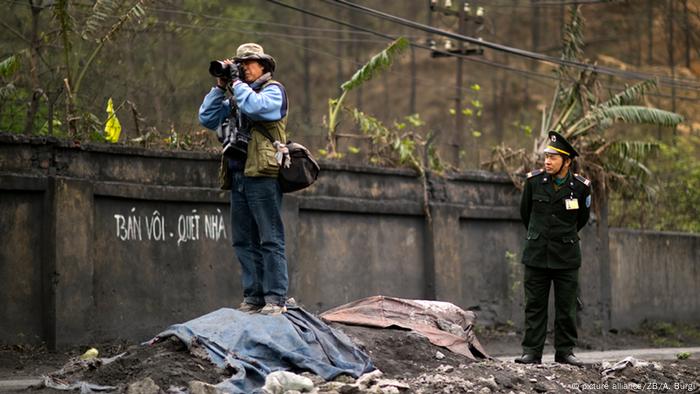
point(258, 238)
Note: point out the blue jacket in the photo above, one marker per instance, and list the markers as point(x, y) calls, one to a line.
point(267, 105)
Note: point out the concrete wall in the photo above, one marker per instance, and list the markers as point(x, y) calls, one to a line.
point(655, 276)
point(105, 242)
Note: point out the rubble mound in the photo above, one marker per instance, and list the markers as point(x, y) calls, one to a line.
point(398, 352)
point(167, 363)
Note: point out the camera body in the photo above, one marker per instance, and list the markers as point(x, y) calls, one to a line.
point(234, 135)
point(234, 131)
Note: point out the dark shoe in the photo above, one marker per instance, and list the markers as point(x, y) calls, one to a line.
point(249, 308)
point(529, 359)
point(568, 359)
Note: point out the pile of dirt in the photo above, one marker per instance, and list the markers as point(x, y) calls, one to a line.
point(167, 363)
point(398, 352)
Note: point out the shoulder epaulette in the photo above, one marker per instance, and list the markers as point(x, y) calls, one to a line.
point(583, 180)
point(534, 173)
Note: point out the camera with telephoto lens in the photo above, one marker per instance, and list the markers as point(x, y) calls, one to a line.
point(225, 71)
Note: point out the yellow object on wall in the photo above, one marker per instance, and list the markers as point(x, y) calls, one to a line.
point(112, 128)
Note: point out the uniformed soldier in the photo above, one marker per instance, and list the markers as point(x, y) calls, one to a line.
point(555, 205)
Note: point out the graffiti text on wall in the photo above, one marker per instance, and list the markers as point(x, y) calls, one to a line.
point(189, 227)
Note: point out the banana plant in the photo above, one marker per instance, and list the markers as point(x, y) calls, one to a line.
point(99, 29)
point(580, 113)
point(378, 63)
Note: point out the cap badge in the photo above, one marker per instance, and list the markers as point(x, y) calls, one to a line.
point(553, 138)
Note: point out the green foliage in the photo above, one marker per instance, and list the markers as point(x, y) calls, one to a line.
point(627, 157)
point(401, 145)
point(44, 129)
point(631, 95)
point(10, 66)
point(378, 63)
point(604, 117)
point(668, 334)
point(7, 91)
point(102, 12)
point(674, 199)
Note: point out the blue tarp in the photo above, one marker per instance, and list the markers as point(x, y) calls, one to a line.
point(256, 345)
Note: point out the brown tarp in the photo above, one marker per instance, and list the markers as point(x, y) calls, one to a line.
point(443, 323)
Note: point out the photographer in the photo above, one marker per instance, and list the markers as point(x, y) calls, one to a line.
point(245, 123)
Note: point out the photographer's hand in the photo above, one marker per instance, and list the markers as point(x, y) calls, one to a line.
point(223, 83)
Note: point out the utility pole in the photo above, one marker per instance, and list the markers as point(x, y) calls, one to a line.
point(465, 12)
point(459, 139)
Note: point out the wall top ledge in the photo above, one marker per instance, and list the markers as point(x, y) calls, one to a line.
point(332, 165)
point(633, 231)
point(117, 149)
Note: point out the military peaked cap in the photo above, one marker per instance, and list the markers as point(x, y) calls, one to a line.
point(558, 145)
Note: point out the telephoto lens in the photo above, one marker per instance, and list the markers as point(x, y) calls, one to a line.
point(219, 69)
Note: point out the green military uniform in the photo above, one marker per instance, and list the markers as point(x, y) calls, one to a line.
point(553, 211)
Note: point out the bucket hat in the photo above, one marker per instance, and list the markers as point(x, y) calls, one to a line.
point(253, 51)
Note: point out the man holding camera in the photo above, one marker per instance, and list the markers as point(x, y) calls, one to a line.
point(251, 126)
point(555, 205)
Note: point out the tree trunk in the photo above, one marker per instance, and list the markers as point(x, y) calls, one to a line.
point(535, 25)
point(339, 52)
point(650, 32)
point(639, 33)
point(686, 27)
point(357, 59)
point(412, 101)
point(33, 71)
point(671, 53)
point(306, 104)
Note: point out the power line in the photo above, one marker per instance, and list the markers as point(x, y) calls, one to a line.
point(552, 3)
point(253, 21)
point(415, 44)
point(525, 73)
point(679, 83)
point(263, 33)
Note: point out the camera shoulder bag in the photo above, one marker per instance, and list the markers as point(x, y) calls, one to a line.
point(303, 169)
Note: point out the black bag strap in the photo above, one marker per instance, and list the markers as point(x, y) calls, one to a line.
point(263, 130)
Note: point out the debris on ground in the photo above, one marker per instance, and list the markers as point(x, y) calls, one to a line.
point(610, 369)
point(280, 382)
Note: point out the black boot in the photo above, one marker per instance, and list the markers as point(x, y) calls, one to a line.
point(529, 359)
point(568, 359)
